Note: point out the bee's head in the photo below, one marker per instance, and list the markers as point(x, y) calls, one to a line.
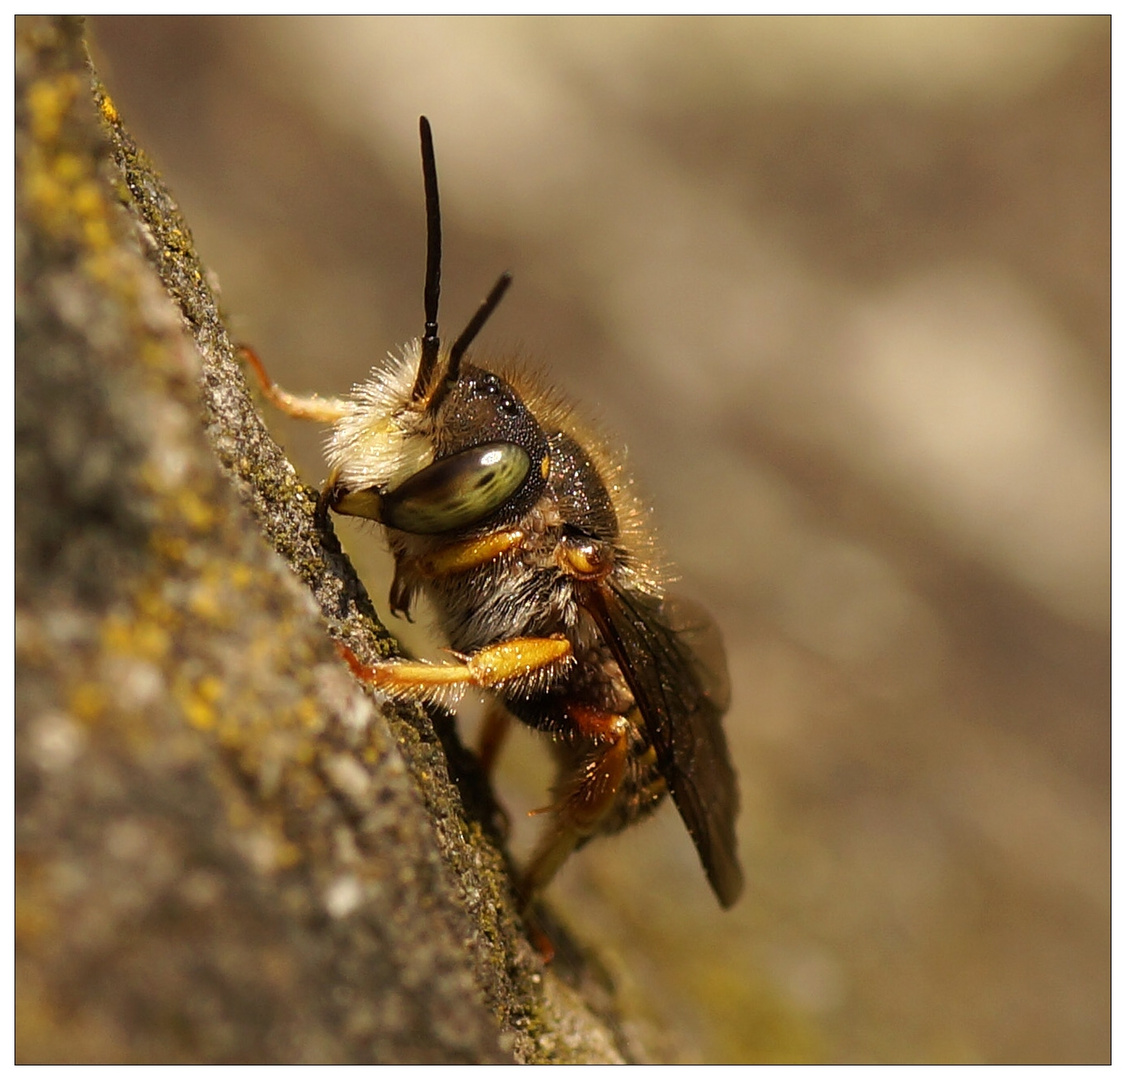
point(458, 451)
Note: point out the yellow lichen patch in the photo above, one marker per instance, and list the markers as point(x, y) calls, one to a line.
point(210, 598)
point(88, 701)
point(372, 753)
point(194, 511)
point(48, 101)
point(169, 546)
point(210, 688)
point(178, 240)
point(67, 198)
point(240, 575)
point(198, 701)
point(309, 714)
point(47, 194)
point(109, 110)
point(68, 169)
point(205, 602)
point(136, 637)
point(96, 234)
point(198, 712)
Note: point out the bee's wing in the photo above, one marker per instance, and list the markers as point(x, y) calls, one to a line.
point(672, 659)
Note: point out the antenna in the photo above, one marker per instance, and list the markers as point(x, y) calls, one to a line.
point(433, 284)
point(433, 287)
point(470, 332)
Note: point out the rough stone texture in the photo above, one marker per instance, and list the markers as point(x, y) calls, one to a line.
point(224, 851)
point(841, 288)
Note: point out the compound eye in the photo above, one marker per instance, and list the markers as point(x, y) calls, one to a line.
point(457, 491)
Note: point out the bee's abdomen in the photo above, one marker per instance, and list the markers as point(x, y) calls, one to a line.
point(642, 788)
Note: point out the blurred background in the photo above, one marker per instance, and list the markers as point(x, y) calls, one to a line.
point(842, 287)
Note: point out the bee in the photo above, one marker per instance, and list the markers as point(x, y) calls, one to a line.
point(525, 535)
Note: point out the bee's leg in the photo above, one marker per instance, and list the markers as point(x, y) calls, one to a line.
point(463, 555)
point(323, 410)
point(485, 668)
point(585, 797)
point(451, 558)
point(494, 730)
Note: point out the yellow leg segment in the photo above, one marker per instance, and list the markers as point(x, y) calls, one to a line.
point(487, 667)
point(323, 410)
point(467, 554)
